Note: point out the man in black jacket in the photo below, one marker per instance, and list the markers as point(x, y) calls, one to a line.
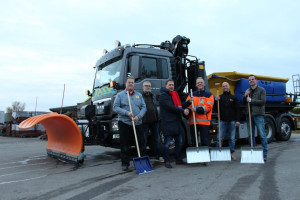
point(171, 111)
point(229, 117)
point(150, 120)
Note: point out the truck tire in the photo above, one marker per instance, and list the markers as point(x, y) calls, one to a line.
point(270, 129)
point(285, 129)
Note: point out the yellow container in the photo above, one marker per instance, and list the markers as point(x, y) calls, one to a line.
point(232, 78)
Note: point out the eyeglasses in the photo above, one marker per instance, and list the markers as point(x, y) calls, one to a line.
point(147, 85)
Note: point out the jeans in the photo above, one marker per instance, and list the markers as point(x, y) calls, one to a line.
point(203, 134)
point(154, 135)
point(227, 127)
point(126, 139)
point(178, 145)
point(259, 123)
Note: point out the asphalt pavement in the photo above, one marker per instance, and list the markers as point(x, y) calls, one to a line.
point(26, 172)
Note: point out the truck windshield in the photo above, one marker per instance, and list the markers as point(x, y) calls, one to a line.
point(107, 73)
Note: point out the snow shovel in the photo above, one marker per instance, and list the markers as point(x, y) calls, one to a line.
point(250, 154)
point(142, 164)
point(196, 154)
point(219, 153)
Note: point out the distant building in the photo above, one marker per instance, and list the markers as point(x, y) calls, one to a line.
point(15, 118)
point(2, 114)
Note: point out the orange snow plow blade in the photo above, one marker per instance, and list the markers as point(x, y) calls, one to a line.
point(64, 137)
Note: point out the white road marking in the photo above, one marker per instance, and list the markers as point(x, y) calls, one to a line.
point(25, 161)
point(23, 180)
point(23, 172)
point(25, 165)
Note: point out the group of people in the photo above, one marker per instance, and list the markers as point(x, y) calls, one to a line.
point(201, 102)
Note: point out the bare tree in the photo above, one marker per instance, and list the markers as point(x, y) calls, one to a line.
point(16, 106)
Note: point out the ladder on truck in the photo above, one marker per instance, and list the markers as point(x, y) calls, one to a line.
point(296, 85)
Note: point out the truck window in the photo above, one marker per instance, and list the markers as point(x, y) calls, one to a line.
point(164, 69)
point(149, 68)
point(107, 72)
point(129, 66)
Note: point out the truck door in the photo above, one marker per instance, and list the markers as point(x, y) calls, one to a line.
point(153, 69)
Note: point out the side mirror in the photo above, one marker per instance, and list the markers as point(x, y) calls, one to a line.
point(135, 67)
point(88, 93)
point(112, 83)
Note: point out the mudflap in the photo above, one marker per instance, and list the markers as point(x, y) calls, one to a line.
point(64, 137)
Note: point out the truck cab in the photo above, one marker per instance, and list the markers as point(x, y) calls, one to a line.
point(154, 63)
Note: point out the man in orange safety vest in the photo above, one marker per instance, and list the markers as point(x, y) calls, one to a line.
point(203, 105)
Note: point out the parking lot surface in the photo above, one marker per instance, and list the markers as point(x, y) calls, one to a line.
point(26, 172)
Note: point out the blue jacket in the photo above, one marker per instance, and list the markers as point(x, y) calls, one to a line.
point(170, 114)
point(121, 106)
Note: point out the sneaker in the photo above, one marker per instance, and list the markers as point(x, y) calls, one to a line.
point(161, 159)
point(124, 167)
point(265, 158)
point(168, 165)
point(233, 157)
point(180, 162)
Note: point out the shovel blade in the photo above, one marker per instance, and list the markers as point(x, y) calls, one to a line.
point(252, 155)
point(197, 154)
point(220, 154)
point(142, 164)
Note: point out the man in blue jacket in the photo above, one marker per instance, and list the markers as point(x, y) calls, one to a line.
point(170, 113)
point(121, 106)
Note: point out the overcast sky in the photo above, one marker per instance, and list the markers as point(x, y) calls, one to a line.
point(46, 44)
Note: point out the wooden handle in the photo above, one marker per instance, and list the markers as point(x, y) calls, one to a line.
point(250, 123)
point(195, 127)
point(133, 125)
point(219, 123)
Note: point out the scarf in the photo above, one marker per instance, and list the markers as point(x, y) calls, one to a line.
point(131, 93)
point(176, 99)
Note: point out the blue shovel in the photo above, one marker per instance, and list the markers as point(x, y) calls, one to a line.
point(142, 164)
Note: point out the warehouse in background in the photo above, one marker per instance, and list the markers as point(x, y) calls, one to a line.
point(9, 124)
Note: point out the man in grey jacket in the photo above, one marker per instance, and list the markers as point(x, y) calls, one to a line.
point(255, 96)
point(121, 106)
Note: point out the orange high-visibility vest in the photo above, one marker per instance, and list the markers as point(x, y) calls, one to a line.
point(203, 102)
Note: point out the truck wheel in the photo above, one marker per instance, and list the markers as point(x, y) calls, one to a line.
point(270, 129)
point(285, 130)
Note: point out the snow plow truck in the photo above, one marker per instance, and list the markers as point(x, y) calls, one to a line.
point(96, 123)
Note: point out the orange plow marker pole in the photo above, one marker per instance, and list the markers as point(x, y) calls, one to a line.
point(64, 137)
